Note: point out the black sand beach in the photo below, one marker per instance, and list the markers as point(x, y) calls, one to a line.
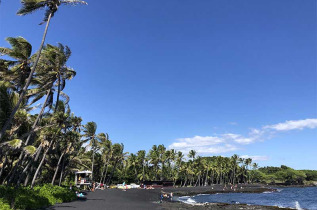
point(149, 199)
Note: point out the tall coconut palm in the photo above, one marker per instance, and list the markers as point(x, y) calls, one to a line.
point(133, 161)
point(154, 157)
point(90, 136)
point(28, 7)
point(118, 156)
point(161, 150)
point(106, 151)
point(141, 161)
point(234, 164)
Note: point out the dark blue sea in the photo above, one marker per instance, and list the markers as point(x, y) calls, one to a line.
point(293, 197)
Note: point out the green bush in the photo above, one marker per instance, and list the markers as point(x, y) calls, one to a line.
point(55, 194)
point(40, 196)
point(4, 205)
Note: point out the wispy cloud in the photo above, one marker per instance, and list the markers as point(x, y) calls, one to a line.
point(203, 144)
point(255, 157)
point(293, 125)
point(229, 142)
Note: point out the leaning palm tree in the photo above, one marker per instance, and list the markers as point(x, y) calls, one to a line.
point(52, 73)
point(29, 6)
point(106, 151)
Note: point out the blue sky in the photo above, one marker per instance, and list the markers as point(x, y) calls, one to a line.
point(221, 77)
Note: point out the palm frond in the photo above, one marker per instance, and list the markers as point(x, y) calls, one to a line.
point(30, 6)
point(30, 150)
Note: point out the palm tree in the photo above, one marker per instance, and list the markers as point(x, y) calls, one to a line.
point(59, 119)
point(118, 156)
point(154, 159)
point(248, 163)
point(90, 135)
point(161, 150)
point(192, 154)
point(141, 161)
point(20, 67)
point(106, 151)
point(234, 164)
point(133, 162)
point(28, 7)
point(52, 72)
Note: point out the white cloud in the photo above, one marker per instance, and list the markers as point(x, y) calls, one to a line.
point(203, 144)
point(293, 125)
point(238, 138)
point(217, 149)
point(255, 157)
point(228, 142)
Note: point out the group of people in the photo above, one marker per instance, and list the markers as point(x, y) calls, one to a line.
point(166, 196)
point(232, 187)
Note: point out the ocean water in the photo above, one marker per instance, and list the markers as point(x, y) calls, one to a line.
point(293, 197)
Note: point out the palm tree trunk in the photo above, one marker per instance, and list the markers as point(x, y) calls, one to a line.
point(62, 173)
point(57, 167)
point(41, 163)
point(92, 164)
point(38, 117)
point(143, 172)
point(136, 174)
point(3, 165)
point(9, 120)
point(112, 172)
point(23, 172)
point(206, 179)
point(103, 171)
point(26, 181)
point(58, 91)
point(184, 182)
point(104, 178)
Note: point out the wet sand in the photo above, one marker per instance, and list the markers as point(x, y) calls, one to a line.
point(114, 199)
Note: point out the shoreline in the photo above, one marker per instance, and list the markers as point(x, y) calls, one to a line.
point(192, 191)
point(142, 199)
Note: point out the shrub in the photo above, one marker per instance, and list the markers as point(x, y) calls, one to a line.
point(4, 205)
point(40, 196)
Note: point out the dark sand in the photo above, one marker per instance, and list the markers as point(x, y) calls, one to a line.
point(149, 199)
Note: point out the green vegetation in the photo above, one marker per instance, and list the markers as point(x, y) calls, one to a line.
point(40, 196)
point(48, 145)
point(286, 175)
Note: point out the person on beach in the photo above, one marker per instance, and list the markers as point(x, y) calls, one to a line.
point(93, 187)
point(124, 186)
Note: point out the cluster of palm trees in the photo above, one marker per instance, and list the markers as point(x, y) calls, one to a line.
point(162, 164)
point(27, 138)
